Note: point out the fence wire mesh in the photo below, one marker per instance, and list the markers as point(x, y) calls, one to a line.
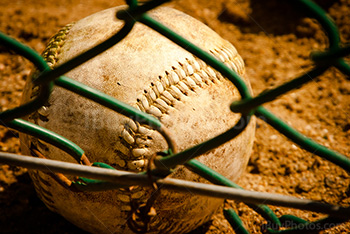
point(102, 176)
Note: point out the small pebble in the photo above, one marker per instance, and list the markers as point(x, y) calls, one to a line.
point(273, 137)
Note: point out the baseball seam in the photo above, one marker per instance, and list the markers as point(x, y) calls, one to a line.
point(50, 56)
point(161, 95)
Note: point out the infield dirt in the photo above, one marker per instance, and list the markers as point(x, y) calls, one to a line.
point(275, 40)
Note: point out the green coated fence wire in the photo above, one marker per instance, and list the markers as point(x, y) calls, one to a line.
point(47, 136)
point(247, 106)
point(107, 101)
point(205, 56)
point(331, 56)
point(235, 221)
point(219, 179)
point(302, 141)
point(40, 63)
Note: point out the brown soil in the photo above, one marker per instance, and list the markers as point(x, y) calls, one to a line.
point(275, 40)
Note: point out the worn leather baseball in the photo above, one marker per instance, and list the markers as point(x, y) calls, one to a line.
point(154, 75)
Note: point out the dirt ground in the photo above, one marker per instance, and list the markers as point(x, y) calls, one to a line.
point(275, 40)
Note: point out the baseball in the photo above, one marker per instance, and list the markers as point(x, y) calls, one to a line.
point(149, 72)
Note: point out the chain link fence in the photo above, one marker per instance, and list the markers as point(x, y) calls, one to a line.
point(103, 176)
